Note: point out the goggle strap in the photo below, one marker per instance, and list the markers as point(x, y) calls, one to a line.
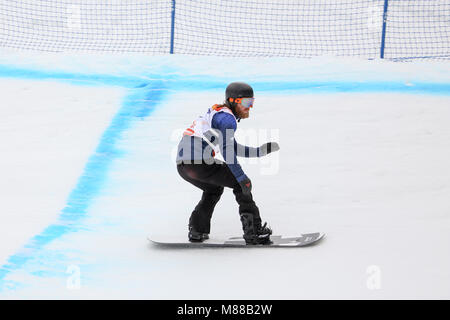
point(237, 100)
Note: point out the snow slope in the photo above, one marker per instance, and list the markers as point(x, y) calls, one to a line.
point(88, 172)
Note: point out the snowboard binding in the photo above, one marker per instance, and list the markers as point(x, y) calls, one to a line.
point(196, 236)
point(254, 232)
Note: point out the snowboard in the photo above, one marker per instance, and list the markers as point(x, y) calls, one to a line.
point(238, 242)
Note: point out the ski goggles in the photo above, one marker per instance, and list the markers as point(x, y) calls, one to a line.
point(245, 102)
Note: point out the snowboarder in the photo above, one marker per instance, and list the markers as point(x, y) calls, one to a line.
point(208, 135)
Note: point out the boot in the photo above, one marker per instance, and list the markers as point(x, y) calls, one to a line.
point(200, 220)
point(254, 232)
point(196, 236)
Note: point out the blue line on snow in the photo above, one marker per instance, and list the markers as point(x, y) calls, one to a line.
point(88, 79)
point(138, 105)
point(195, 83)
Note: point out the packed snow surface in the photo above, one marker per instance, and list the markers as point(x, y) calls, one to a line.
point(87, 165)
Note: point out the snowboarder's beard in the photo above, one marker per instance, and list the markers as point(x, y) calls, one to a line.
point(242, 112)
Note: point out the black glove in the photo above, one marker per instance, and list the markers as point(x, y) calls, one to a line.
point(267, 148)
point(246, 186)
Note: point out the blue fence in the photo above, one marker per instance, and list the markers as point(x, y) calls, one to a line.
point(389, 29)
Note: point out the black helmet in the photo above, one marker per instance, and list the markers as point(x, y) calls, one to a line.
point(238, 90)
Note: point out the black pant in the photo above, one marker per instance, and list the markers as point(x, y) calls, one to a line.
point(212, 178)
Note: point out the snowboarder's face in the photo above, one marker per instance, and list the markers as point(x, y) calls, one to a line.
point(242, 112)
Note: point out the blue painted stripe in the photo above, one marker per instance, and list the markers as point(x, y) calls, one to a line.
point(299, 87)
point(196, 83)
point(80, 79)
point(139, 104)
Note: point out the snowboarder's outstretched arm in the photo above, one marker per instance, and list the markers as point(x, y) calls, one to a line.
point(226, 124)
point(224, 120)
point(251, 152)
